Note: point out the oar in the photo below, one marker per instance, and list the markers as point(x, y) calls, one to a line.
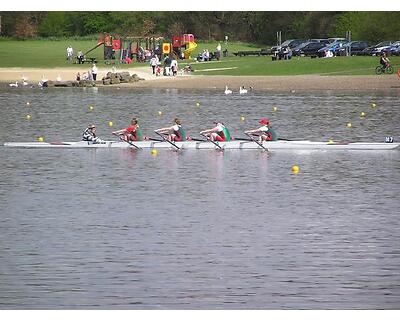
point(211, 141)
point(170, 142)
point(256, 141)
point(243, 139)
point(199, 140)
point(133, 145)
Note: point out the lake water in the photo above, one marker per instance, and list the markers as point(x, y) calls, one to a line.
point(198, 229)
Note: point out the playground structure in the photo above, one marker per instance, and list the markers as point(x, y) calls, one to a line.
point(119, 49)
point(123, 49)
point(182, 46)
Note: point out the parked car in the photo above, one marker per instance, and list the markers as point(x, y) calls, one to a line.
point(368, 51)
point(332, 40)
point(394, 49)
point(324, 41)
point(308, 49)
point(331, 47)
point(354, 48)
point(292, 43)
point(378, 50)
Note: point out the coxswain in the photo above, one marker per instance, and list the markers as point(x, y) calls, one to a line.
point(218, 133)
point(265, 132)
point(175, 132)
point(132, 133)
point(90, 135)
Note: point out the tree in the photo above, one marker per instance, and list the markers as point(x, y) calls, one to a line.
point(25, 26)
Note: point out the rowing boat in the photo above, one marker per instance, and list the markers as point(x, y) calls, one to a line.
point(270, 145)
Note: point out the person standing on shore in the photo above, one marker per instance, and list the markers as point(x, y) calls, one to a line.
point(153, 64)
point(174, 67)
point(94, 72)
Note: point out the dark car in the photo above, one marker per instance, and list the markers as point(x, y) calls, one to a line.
point(309, 49)
point(353, 48)
point(333, 47)
point(368, 51)
point(394, 49)
point(292, 43)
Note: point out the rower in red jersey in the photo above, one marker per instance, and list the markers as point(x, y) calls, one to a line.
point(131, 133)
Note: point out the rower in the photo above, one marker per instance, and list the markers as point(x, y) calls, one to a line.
point(175, 132)
point(90, 135)
point(265, 132)
point(132, 133)
point(218, 133)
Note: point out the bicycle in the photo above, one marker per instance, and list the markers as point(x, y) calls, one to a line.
point(381, 69)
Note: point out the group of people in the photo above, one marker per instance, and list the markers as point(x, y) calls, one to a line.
point(218, 133)
point(91, 75)
point(170, 66)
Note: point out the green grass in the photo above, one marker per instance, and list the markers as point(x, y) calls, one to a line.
point(264, 66)
point(52, 54)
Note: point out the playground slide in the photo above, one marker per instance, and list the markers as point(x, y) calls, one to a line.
point(191, 47)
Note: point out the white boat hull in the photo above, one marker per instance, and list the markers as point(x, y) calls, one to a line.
point(270, 145)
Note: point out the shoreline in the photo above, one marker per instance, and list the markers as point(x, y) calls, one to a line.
point(273, 83)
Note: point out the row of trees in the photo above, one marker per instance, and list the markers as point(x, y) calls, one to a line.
point(259, 27)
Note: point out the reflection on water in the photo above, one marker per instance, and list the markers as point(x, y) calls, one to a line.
point(198, 229)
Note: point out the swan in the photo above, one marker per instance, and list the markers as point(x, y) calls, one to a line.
point(227, 91)
point(59, 78)
point(242, 90)
point(14, 84)
point(24, 82)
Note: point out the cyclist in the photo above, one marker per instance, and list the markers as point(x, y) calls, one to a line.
point(384, 60)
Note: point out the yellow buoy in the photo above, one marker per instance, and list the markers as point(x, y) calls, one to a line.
point(330, 141)
point(362, 114)
point(28, 104)
point(242, 118)
point(160, 113)
point(110, 124)
point(153, 152)
point(28, 117)
point(373, 105)
point(295, 169)
point(274, 109)
point(91, 108)
point(40, 139)
point(198, 104)
point(349, 125)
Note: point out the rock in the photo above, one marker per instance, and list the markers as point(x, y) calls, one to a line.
point(63, 84)
point(115, 81)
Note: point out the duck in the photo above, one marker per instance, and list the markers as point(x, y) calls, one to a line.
point(227, 91)
point(242, 90)
point(14, 84)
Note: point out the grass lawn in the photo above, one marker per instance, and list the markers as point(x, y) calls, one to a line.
point(52, 54)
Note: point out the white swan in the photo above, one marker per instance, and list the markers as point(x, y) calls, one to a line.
point(14, 84)
point(24, 82)
point(58, 78)
point(242, 90)
point(227, 91)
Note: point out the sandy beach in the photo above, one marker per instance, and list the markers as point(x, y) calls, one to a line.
point(276, 83)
